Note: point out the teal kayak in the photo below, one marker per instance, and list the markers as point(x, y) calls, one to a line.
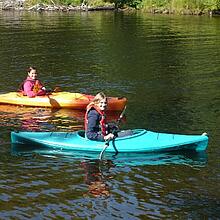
point(139, 141)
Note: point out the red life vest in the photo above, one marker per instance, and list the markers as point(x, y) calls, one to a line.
point(102, 122)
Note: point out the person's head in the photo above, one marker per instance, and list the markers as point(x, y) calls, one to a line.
point(32, 72)
point(100, 100)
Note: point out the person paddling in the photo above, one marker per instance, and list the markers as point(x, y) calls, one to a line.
point(95, 119)
point(32, 86)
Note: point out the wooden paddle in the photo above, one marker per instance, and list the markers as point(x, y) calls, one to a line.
point(108, 141)
point(53, 102)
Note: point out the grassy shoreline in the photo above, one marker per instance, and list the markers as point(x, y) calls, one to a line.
point(182, 7)
point(189, 7)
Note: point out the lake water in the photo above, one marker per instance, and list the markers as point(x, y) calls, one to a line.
point(167, 66)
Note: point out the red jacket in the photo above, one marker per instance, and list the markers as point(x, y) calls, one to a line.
point(95, 123)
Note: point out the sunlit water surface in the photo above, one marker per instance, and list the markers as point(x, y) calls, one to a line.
point(168, 68)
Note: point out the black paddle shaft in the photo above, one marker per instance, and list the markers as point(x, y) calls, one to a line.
point(107, 142)
point(113, 127)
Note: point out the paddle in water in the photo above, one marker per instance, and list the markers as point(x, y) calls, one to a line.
point(107, 142)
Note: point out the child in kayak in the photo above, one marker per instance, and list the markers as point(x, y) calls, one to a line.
point(32, 86)
point(95, 119)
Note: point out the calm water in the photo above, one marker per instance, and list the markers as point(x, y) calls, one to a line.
point(168, 67)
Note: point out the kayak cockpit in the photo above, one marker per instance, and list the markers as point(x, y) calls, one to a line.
point(122, 134)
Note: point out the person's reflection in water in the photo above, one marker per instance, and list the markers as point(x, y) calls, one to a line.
point(96, 176)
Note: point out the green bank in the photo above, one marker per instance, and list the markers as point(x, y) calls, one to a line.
point(154, 6)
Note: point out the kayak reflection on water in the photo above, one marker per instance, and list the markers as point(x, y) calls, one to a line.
point(96, 176)
point(186, 157)
point(97, 172)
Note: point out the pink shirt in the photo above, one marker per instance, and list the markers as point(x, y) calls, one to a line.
point(29, 85)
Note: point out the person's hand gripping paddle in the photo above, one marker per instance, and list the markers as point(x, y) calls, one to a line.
point(108, 141)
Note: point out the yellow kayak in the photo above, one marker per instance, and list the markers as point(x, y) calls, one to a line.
point(60, 100)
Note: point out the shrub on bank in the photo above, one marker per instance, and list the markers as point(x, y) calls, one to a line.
point(181, 6)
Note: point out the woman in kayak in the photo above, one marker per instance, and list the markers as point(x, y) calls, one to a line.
point(32, 86)
point(95, 119)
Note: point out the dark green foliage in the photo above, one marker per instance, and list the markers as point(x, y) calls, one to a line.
point(134, 3)
point(218, 4)
point(122, 3)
